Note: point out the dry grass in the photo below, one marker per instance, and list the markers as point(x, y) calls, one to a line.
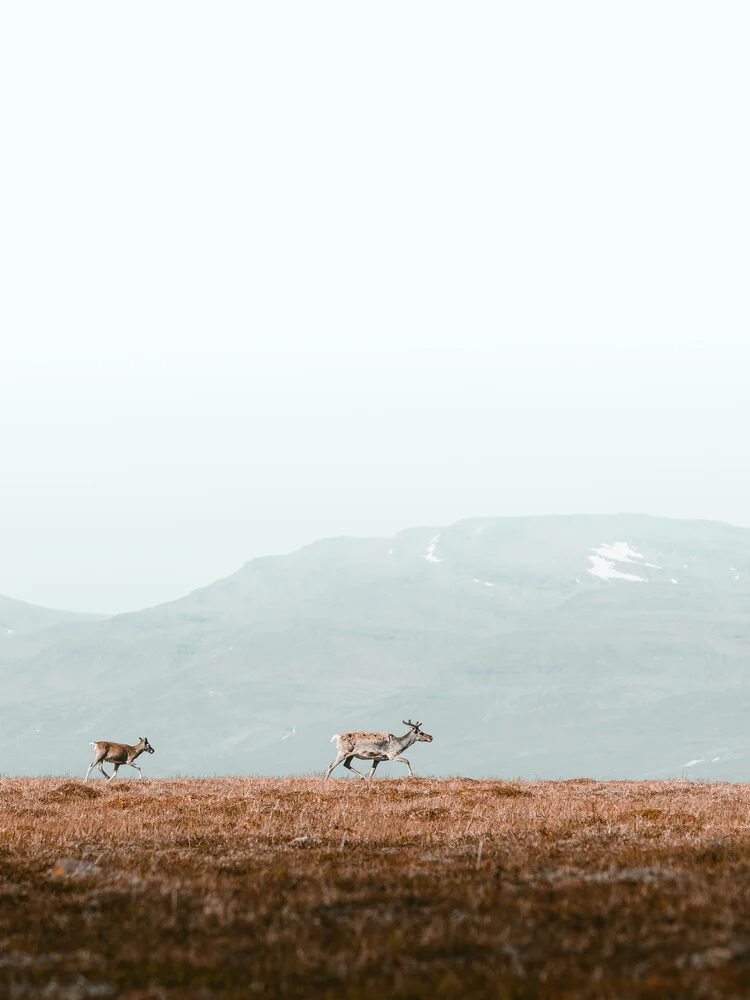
point(390, 889)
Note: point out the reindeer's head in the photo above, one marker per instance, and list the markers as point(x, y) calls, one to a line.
point(146, 745)
point(414, 726)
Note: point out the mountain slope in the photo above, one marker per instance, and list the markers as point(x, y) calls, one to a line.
point(552, 646)
point(18, 617)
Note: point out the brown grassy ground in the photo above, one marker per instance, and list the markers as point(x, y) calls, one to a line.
point(391, 889)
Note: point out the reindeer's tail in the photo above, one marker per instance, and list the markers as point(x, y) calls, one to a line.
point(92, 744)
point(335, 737)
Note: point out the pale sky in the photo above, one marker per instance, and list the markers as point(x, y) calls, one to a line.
point(277, 271)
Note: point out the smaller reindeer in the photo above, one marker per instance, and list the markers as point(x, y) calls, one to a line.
point(117, 754)
point(375, 747)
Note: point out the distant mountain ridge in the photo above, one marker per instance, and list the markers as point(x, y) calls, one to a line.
point(17, 617)
point(608, 646)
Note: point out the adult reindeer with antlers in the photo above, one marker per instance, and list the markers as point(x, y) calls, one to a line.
point(375, 747)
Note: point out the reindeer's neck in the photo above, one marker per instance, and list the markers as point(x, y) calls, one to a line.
point(406, 740)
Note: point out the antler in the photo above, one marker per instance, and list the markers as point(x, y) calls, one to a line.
point(413, 725)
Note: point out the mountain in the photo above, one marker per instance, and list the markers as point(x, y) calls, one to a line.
point(603, 646)
point(18, 617)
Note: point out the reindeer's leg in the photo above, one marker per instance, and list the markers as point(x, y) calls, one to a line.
point(96, 762)
point(348, 763)
point(374, 765)
point(114, 773)
point(405, 761)
point(339, 758)
point(140, 772)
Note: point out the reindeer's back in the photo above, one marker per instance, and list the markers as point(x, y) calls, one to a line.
point(359, 738)
point(360, 734)
point(112, 751)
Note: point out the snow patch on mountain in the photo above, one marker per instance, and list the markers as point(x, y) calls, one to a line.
point(606, 570)
point(606, 555)
point(714, 756)
point(619, 551)
point(429, 552)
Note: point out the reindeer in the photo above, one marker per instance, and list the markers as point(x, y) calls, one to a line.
point(117, 754)
point(375, 747)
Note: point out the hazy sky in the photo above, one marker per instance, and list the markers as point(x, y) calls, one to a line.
point(275, 271)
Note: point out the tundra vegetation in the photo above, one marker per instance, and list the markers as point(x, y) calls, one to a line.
point(393, 888)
